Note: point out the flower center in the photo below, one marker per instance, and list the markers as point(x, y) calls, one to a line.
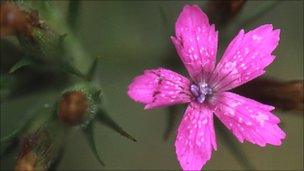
point(201, 91)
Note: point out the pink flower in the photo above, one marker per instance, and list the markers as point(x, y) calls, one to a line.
point(207, 91)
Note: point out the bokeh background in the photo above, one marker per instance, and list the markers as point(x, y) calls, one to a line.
point(131, 36)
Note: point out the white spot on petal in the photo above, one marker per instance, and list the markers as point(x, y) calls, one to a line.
point(261, 118)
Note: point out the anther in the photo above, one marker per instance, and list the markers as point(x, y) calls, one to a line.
point(200, 91)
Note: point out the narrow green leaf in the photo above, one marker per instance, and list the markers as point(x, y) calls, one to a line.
point(11, 136)
point(232, 145)
point(21, 63)
point(92, 69)
point(89, 133)
point(97, 96)
point(107, 120)
point(17, 132)
point(172, 118)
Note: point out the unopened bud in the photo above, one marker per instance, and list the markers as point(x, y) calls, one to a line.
point(73, 107)
point(28, 162)
point(78, 105)
point(15, 21)
point(35, 152)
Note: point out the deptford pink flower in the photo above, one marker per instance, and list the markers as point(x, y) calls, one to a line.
point(207, 91)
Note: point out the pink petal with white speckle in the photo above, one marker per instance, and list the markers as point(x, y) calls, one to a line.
point(249, 120)
point(195, 40)
point(246, 57)
point(160, 87)
point(195, 138)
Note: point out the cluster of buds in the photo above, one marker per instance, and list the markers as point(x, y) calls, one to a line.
point(42, 138)
point(78, 106)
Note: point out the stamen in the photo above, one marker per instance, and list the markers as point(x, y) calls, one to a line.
point(201, 98)
point(195, 90)
point(201, 91)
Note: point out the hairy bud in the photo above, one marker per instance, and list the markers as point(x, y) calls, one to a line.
point(73, 107)
point(78, 105)
point(28, 162)
point(38, 150)
point(15, 21)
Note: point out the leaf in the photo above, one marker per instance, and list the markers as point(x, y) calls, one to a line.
point(107, 120)
point(11, 136)
point(21, 63)
point(230, 142)
point(97, 96)
point(92, 69)
point(17, 132)
point(89, 132)
point(172, 118)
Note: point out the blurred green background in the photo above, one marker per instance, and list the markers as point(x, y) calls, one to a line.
point(130, 37)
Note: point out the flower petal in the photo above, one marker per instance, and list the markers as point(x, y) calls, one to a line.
point(195, 138)
point(246, 57)
point(195, 40)
point(160, 87)
point(249, 120)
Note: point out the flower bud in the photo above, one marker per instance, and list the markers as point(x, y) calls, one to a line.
point(73, 107)
point(38, 149)
point(77, 105)
point(15, 21)
point(28, 162)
